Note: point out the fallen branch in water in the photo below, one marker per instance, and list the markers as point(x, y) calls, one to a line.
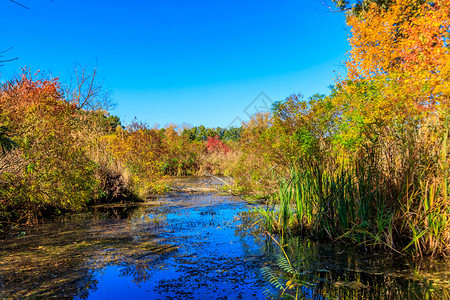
point(221, 180)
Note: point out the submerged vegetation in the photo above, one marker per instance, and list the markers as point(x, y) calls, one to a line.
point(307, 270)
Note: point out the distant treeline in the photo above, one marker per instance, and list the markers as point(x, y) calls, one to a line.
point(201, 133)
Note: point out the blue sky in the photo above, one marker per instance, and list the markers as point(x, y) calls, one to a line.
point(196, 62)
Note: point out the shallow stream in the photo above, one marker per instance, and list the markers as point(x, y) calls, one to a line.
point(196, 246)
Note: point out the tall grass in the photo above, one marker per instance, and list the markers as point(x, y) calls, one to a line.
point(335, 205)
point(399, 204)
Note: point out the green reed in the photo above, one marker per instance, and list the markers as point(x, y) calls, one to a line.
point(337, 205)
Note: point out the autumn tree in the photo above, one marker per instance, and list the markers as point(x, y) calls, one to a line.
point(403, 46)
point(396, 71)
point(49, 168)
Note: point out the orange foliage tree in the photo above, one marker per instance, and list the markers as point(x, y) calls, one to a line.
point(405, 50)
point(49, 168)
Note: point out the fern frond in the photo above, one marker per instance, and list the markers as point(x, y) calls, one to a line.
point(272, 277)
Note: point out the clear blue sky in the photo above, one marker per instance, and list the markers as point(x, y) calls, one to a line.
point(199, 62)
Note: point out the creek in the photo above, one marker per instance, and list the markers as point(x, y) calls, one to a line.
point(186, 245)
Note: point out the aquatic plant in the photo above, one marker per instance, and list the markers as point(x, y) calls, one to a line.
point(302, 271)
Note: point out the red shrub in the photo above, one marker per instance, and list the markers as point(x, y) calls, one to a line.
point(215, 145)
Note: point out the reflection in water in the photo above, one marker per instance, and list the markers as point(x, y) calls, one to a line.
point(60, 259)
point(177, 246)
point(326, 271)
point(198, 246)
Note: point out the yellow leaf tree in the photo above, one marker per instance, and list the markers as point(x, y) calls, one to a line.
point(405, 48)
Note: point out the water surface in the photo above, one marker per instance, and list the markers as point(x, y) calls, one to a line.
point(196, 246)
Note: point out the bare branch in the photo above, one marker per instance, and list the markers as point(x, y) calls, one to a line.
point(24, 6)
point(332, 7)
point(85, 92)
point(6, 60)
point(20, 4)
point(6, 50)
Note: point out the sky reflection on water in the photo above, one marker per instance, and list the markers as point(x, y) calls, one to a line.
point(212, 260)
point(195, 246)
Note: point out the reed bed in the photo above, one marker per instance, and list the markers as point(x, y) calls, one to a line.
point(370, 202)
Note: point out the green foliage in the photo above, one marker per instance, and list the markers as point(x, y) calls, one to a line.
point(201, 133)
point(363, 193)
point(297, 133)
